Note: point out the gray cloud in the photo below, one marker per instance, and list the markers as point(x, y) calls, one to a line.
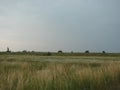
point(49, 25)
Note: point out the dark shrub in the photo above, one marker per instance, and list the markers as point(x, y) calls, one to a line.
point(103, 52)
point(60, 51)
point(8, 50)
point(87, 51)
point(49, 54)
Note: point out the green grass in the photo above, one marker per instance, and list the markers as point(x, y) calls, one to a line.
point(31, 72)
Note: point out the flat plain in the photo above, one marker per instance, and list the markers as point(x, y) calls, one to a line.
point(36, 72)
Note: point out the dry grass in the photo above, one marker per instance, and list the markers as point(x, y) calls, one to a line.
point(35, 75)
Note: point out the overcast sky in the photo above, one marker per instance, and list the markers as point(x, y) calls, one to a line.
point(52, 25)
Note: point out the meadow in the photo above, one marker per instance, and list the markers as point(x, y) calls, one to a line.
point(35, 72)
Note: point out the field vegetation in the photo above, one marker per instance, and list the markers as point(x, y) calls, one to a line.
point(33, 72)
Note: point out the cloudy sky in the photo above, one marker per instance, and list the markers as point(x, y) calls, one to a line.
point(68, 25)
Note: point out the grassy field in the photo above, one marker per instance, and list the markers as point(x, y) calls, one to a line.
point(34, 72)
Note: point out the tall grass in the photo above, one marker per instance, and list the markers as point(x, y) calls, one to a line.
point(29, 75)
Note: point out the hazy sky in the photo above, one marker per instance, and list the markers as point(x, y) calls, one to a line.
point(68, 25)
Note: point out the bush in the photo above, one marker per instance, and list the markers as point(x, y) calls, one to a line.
point(87, 51)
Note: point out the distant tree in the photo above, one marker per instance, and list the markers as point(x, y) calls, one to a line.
point(87, 51)
point(32, 51)
point(72, 52)
point(49, 54)
point(24, 51)
point(60, 51)
point(8, 50)
point(103, 52)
